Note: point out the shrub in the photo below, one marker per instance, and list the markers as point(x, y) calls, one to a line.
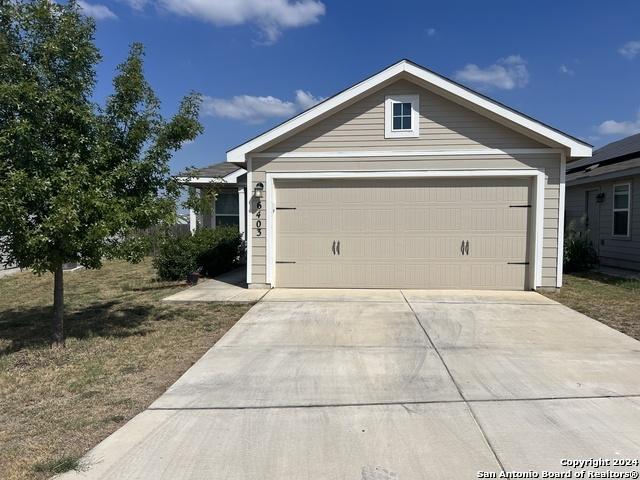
point(579, 254)
point(218, 250)
point(175, 257)
point(209, 251)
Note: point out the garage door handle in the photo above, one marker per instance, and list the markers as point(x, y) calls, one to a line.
point(338, 247)
point(462, 248)
point(466, 248)
point(333, 247)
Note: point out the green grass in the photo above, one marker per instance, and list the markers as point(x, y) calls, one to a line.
point(56, 466)
point(611, 300)
point(124, 348)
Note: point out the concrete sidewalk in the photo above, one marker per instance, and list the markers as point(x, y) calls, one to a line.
point(403, 385)
point(229, 287)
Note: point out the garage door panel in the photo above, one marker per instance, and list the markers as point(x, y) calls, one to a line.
point(292, 247)
point(403, 233)
point(509, 248)
point(364, 220)
point(305, 221)
point(494, 276)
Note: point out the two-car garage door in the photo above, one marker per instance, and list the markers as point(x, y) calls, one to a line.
point(403, 233)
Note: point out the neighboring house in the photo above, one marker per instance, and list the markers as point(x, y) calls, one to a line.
point(230, 205)
point(407, 180)
point(603, 202)
point(4, 265)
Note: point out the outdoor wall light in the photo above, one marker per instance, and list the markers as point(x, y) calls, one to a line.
point(600, 197)
point(257, 191)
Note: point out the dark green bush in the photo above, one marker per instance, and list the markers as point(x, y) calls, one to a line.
point(579, 254)
point(218, 250)
point(209, 252)
point(175, 257)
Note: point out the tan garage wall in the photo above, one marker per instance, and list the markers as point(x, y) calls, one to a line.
point(549, 162)
point(444, 125)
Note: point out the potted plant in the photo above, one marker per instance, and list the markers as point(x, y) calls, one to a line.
point(192, 278)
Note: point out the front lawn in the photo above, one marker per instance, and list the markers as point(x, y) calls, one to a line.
point(124, 348)
point(611, 300)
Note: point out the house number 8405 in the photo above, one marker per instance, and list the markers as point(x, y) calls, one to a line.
point(258, 222)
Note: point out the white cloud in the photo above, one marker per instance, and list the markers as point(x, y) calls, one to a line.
point(252, 109)
point(430, 32)
point(625, 127)
point(507, 73)
point(630, 49)
point(136, 4)
point(306, 99)
point(97, 11)
point(270, 16)
point(566, 70)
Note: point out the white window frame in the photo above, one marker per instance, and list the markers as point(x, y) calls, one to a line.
point(414, 131)
point(627, 209)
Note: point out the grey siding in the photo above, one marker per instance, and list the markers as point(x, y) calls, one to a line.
point(443, 125)
point(613, 251)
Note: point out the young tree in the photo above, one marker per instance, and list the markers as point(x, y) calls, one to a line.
point(78, 182)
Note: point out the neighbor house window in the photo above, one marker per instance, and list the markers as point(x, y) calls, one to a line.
point(227, 209)
point(621, 207)
point(401, 116)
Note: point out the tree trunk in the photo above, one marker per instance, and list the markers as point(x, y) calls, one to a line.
point(57, 322)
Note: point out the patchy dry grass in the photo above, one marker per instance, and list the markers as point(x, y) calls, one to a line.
point(124, 348)
point(611, 300)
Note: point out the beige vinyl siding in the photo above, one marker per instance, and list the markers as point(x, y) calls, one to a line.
point(623, 252)
point(444, 125)
point(550, 162)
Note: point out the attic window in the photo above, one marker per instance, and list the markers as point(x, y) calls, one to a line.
point(401, 116)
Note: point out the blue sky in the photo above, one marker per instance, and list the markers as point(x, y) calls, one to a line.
point(572, 64)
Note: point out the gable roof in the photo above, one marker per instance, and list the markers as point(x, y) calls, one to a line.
point(481, 103)
point(613, 152)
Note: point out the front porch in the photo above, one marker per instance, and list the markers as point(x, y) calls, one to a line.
point(229, 207)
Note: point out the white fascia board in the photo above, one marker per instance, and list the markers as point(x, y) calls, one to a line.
point(576, 148)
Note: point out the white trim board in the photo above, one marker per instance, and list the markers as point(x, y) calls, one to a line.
point(249, 233)
point(403, 69)
point(537, 236)
point(407, 153)
point(414, 131)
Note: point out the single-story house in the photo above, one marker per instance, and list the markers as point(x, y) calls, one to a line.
point(603, 202)
point(406, 180)
point(230, 205)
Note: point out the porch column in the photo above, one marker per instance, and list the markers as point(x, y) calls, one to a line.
point(242, 210)
point(193, 221)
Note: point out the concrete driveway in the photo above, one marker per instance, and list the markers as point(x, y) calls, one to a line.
point(384, 384)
